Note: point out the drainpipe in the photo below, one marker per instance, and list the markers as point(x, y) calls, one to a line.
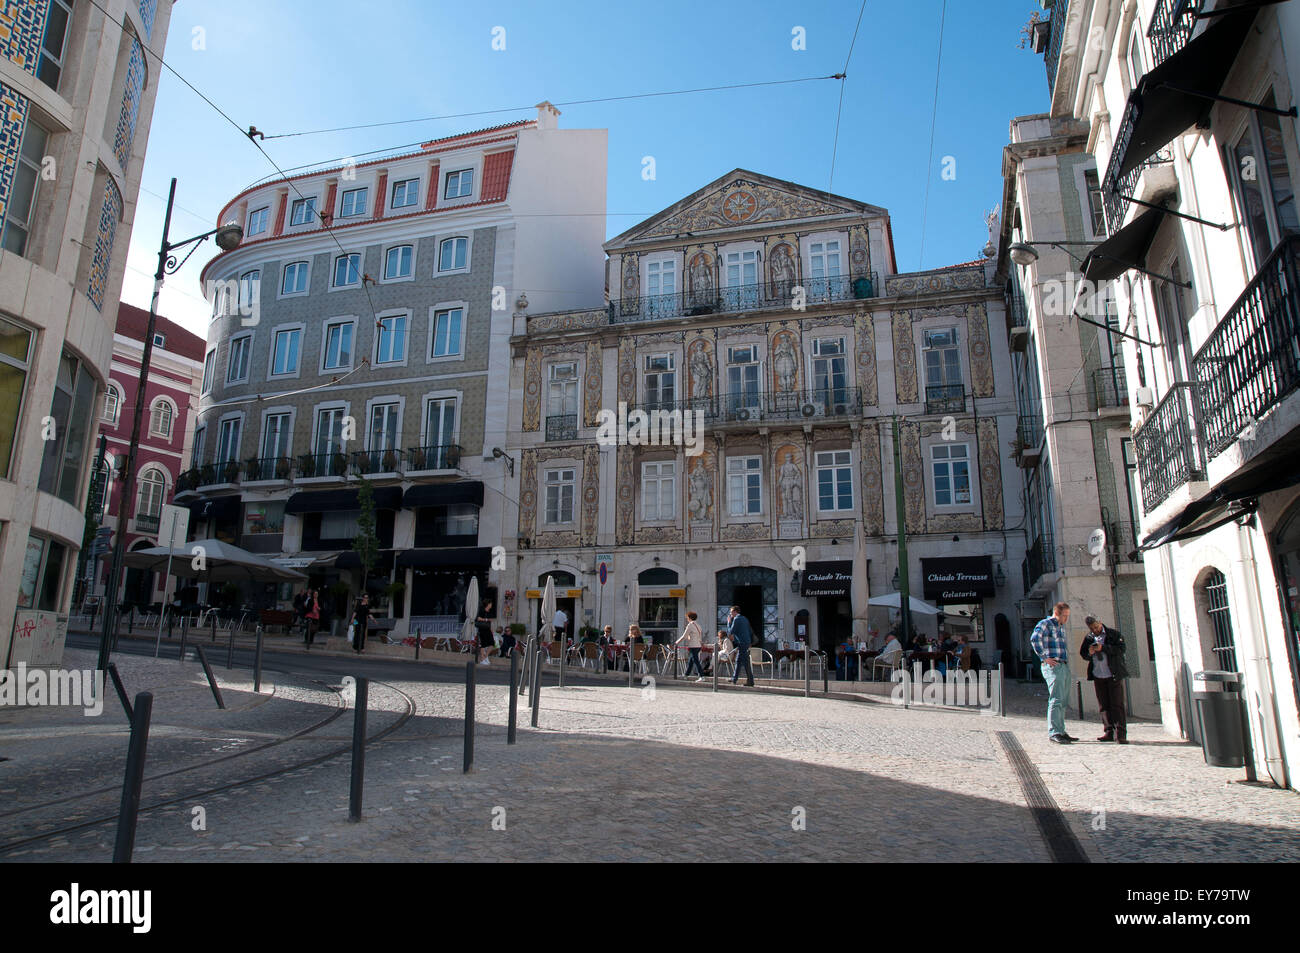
point(1274, 762)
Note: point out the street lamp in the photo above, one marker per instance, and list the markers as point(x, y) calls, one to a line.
point(227, 237)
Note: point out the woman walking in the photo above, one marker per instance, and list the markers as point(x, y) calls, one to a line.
point(483, 626)
point(694, 640)
point(311, 616)
point(361, 619)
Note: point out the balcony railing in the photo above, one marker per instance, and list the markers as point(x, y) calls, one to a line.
point(1055, 35)
point(268, 468)
point(1109, 388)
point(770, 295)
point(1170, 446)
point(1171, 27)
point(1122, 541)
point(376, 461)
point(945, 399)
point(146, 524)
point(434, 457)
point(759, 406)
point(1116, 188)
point(210, 474)
point(562, 427)
point(189, 480)
point(1040, 559)
point(1029, 431)
point(331, 463)
point(1251, 361)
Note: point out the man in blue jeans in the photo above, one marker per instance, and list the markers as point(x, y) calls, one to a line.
point(1049, 643)
point(740, 632)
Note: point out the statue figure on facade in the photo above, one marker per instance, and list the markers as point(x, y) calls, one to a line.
point(781, 268)
point(785, 363)
point(701, 374)
point(790, 487)
point(994, 222)
point(701, 502)
point(701, 278)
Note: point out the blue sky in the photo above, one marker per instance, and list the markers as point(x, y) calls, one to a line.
point(291, 66)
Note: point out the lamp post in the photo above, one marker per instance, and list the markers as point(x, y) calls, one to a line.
point(228, 237)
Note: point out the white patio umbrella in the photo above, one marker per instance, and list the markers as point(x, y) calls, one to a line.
point(547, 631)
point(634, 603)
point(861, 585)
point(471, 610)
point(894, 600)
point(220, 562)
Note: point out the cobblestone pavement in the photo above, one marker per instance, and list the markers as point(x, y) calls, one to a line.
point(678, 773)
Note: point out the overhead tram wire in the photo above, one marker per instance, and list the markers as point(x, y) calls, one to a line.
point(934, 115)
point(839, 108)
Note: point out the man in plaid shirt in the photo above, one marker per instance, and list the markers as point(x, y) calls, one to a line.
point(1049, 643)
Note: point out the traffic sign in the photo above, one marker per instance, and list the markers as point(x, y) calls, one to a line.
point(603, 572)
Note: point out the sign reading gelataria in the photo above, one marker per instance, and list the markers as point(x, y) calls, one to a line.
point(958, 578)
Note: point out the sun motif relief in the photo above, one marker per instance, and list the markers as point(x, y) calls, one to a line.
point(739, 206)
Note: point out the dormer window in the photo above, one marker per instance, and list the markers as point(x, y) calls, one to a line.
point(459, 184)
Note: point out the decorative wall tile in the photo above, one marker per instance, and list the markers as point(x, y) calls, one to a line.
point(624, 513)
point(937, 281)
point(627, 369)
point(740, 202)
point(699, 368)
point(991, 475)
point(22, 25)
point(631, 286)
point(859, 251)
point(786, 362)
point(109, 216)
point(532, 390)
point(13, 120)
point(742, 531)
point(590, 493)
point(904, 358)
point(873, 502)
point(864, 335)
point(782, 264)
point(591, 385)
point(131, 95)
point(832, 529)
point(909, 439)
point(571, 321)
point(148, 9)
point(658, 534)
point(981, 359)
point(527, 493)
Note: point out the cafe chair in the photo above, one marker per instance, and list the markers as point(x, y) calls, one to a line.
point(636, 654)
point(886, 662)
point(590, 655)
point(726, 661)
point(759, 657)
point(553, 650)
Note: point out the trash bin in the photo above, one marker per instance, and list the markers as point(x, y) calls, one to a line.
point(1222, 712)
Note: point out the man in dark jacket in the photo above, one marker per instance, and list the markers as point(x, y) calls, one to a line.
point(740, 632)
point(1103, 648)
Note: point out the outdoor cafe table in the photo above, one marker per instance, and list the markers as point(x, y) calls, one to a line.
point(930, 657)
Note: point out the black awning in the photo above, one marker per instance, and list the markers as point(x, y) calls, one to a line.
point(462, 557)
point(444, 494)
point(957, 579)
point(1274, 470)
point(833, 578)
point(1165, 98)
point(218, 508)
point(1126, 249)
point(348, 559)
point(320, 501)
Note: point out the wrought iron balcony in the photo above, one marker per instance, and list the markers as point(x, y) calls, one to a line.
point(1029, 431)
point(562, 427)
point(445, 456)
point(329, 463)
point(376, 461)
point(145, 523)
point(1116, 188)
point(1171, 27)
point(770, 295)
point(1170, 446)
point(1017, 312)
point(1040, 559)
point(768, 406)
point(945, 399)
point(1122, 542)
point(187, 481)
point(1056, 34)
point(268, 468)
point(1251, 361)
point(1109, 388)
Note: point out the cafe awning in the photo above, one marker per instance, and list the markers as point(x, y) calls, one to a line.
point(1126, 249)
point(218, 508)
point(461, 557)
point(827, 579)
point(348, 559)
point(444, 494)
point(321, 501)
point(955, 579)
point(1178, 93)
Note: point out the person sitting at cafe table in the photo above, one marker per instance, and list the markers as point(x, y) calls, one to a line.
point(846, 667)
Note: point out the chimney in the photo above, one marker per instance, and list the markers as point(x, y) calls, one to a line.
point(547, 115)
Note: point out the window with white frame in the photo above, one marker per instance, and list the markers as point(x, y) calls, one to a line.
point(740, 279)
point(329, 431)
point(660, 381)
point(659, 490)
point(1096, 207)
point(347, 270)
point(559, 495)
point(830, 374)
point(562, 390)
point(250, 289)
point(200, 439)
point(406, 193)
point(153, 487)
point(353, 203)
point(390, 339)
point(385, 426)
point(744, 486)
point(52, 60)
point(284, 355)
point(446, 338)
point(209, 362)
point(452, 253)
point(942, 364)
point(20, 210)
point(397, 262)
point(834, 480)
point(237, 364)
point(228, 441)
point(824, 259)
point(259, 220)
point(1133, 58)
point(661, 278)
point(459, 184)
point(295, 278)
point(277, 436)
point(950, 467)
point(15, 364)
point(742, 378)
point(304, 211)
point(440, 422)
point(160, 419)
point(337, 350)
point(1261, 177)
point(112, 404)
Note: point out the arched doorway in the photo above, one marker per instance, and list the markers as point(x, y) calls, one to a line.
point(137, 588)
point(564, 581)
point(753, 588)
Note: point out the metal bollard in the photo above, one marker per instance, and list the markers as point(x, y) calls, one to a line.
point(358, 749)
point(514, 699)
point(674, 651)
point(212, 617)
point(129, 811)
point(469, 717)
point(717, 664)
point(807, 675)
point(629, 664)
point(1002, 690)
point(257, 661)
point(212, 682)
point(130, 622)
point(826, 676)
point(564, 654)
point(171, 619)
point(526, 676)
point(121, 690)
point(1079, 685)
point(184, 634)
point(537, 685)
point(230, 651)
point(417, 643)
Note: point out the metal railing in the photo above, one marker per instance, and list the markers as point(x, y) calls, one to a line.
point(222, 471)
point(1109, 387)
point(1171, 27)
point(1116, 188)
point(1056, 35)
point(768, 295)
point(445, 456)
point(376, 461)
point(945, 399)
point(330, 463)
point(1122, 541)
point(268, 468)
point(1017, 312)
point(1040, 559)
point(189, 480)
point(562, 427)
point(1251, 360)
point(146, 524)
point(1170, 446)
point(1029, 431)
point(808, 404)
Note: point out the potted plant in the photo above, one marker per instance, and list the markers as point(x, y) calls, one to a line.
point(339, 464)
point(518, 628)
point(363, 462)
point(231, 471)
point(588, 633)
point(416, 459)
point(390, 461)
point(282, 468)
point(207, 474)
point(253, 469)
point(307, 465)
point(453, 457)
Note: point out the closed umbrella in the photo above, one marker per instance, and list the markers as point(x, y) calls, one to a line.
point(634, 603)
point(861, 586)
point(471, 610)
point(548, 611)
point(894, 599)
